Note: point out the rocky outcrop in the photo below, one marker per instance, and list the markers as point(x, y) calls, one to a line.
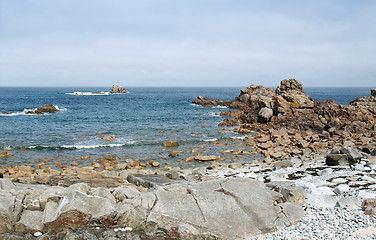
point(223, 208)
point(312, 127)
point(210, 102)
point(49, 108)
point(5, 154)
point(118, 89)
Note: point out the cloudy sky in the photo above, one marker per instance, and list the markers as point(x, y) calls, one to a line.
point(187, 43)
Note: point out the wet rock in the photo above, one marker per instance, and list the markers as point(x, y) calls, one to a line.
point(108, 138)
point(49, 108)
point(6, 154)
point(207, 158)
point(171, 143)
point(210, 102)
point(118, 89)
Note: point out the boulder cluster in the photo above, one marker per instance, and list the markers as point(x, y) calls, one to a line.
point(290, 123)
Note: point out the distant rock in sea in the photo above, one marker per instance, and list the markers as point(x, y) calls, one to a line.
point(118, 89)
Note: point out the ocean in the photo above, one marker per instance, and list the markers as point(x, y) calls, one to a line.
point(141, 121)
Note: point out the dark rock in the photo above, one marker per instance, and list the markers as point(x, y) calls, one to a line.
point(210, 102)
point(49, 108)
point(229, 122)
point(337, 159)
point(373, 92)
point(353, 155)
point(118, 89)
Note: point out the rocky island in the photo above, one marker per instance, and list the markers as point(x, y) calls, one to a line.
point(114, 90)
point(317, 181)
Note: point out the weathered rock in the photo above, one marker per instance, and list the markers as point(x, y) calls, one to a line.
point(353, 155)
point(148, 181)
point(369, 206)
point(7, 205)
point(77, 209)
point(290, 85)
point(341, 189)
point(337, 159)
point(192, 211)
point(118, 89)
point(6, 154)
point(265, 114)
point(373, 92)
point(171, 143)
point(210, 102)
point(30, 222)
point(229, 122)
point(108, 137)
point(348, 202)
point(49, 108)
point(207, 158)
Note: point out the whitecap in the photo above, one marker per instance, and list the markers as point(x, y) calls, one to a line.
point(89, 93)
point(211, 139)
point(196, 105)
point(91, 146)
point(219, 107)
point(60, 109)
point(242, 137)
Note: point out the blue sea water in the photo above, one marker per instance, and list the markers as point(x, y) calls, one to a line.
point(141, 121)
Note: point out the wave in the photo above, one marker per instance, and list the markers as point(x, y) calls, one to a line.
point(210, 140)
point(75, 147)
point(219, 107)
point(89, 93)
point(92, 93)
point(26, 110)
point(196, 105)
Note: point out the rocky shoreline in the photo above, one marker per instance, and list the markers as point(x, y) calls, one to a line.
point(317, 181)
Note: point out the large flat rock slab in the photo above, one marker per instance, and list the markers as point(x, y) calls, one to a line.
point(226, 209)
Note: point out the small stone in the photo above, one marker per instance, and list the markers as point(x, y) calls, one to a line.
point(37, 234)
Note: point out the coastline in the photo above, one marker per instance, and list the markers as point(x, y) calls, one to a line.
point(282, 165)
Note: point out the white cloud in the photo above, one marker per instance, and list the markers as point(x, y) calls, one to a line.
point(184, 43)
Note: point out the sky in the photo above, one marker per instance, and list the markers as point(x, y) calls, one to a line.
point(187, 43)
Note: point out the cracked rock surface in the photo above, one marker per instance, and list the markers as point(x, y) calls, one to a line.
point(219, 208)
